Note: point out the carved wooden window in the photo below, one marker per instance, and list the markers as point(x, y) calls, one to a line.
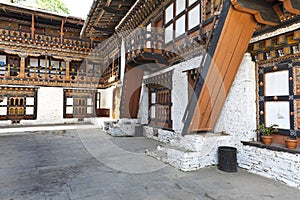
point(278, 60)
point(79, 103)
point(45, 68)
point(74, 69)
point(13, 65)
point(18, 103)
point(278, 101)
point(160, 100)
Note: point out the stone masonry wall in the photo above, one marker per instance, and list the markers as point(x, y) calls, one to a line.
point(280, 166)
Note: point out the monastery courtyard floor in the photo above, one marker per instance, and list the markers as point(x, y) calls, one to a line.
point(89, 164)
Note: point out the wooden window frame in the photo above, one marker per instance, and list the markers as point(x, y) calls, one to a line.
point(292, 97)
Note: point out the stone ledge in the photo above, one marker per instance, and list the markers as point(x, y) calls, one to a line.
point(273, 147)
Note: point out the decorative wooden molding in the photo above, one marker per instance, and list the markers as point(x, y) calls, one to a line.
point(268, 17)
point(293, 6)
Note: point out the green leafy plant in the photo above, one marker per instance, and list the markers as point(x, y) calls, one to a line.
point(266, 130)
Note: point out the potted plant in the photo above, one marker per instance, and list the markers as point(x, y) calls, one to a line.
point(291, 142)
point(266, 132)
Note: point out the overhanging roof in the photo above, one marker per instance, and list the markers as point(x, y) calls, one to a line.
point(104, 16)
point(23, 13)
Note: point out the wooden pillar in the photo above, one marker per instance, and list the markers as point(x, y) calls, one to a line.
point(86, 67)
point(62, 31)
point(67, 70)
point(22, 65)
point(32, 26)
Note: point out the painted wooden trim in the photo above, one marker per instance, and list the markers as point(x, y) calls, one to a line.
point(289, 6)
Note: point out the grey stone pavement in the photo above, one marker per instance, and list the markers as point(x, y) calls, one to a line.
point(89, 164)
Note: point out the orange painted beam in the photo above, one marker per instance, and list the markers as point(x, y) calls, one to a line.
point(235, 36)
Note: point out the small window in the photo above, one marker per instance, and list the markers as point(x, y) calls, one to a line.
point(194, 17)
point(180, 6)
point(169, 13)
point(180, 26)
point(169, 34)
point(278, 113)
point(191, 2)
point(277, 83)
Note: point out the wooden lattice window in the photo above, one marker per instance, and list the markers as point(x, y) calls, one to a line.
point(79, 103)
point(18, 103)
point(160, 100)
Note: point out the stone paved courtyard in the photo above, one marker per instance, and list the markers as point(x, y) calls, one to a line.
point(88, 164)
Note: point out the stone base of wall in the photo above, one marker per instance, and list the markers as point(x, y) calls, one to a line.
point(192, 152)
point(122, 127)
point(277, 165)
point(159, 134)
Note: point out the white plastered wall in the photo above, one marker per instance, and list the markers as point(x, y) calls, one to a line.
point(238, 117)
point(49, 108)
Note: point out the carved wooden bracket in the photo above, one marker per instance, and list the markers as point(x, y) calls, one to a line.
point(261, 10)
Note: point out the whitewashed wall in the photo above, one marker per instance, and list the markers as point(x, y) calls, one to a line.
point(106, 100)
point(280, 166)
point(49, 108)
point(238, 117)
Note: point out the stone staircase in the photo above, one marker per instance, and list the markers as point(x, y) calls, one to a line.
point(192, 152)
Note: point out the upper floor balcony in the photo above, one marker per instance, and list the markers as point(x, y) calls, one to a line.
point(46, 40)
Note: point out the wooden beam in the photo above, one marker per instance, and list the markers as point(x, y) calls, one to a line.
point(232, 44)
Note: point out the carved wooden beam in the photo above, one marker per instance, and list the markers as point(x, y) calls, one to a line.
point(262, 10)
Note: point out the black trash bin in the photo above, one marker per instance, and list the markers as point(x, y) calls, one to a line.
point(227, 159)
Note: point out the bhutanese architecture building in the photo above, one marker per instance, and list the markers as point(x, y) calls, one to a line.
point(193, 74)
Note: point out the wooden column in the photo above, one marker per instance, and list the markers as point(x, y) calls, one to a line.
point(62, 31)
point(86, 67)
point(67, 70)
point(32, 26)
point(22, 65)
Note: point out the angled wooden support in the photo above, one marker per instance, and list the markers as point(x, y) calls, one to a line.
point(228, 46)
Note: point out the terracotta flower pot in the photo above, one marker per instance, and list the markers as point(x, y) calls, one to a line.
point(291, 144)
point(267, 140)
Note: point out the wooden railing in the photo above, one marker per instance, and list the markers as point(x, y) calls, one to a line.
point(142, 40)
point(46, 39)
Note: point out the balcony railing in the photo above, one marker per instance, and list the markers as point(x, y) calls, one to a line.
point(45, 39)
point(144, 40)
point(60, 76)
